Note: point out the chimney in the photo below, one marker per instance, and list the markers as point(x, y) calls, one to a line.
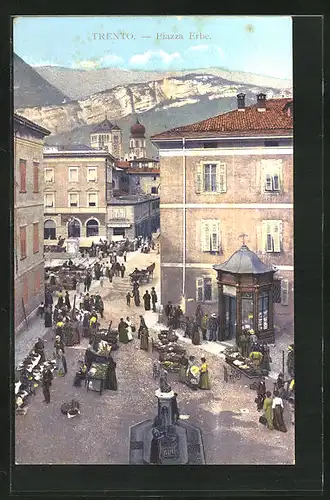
point(241, 102)
point(261, 102)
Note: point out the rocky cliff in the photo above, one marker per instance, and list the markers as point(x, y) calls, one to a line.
point(174, 94)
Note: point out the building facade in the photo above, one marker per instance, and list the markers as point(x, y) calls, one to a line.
point(144, 180)
point(108, 137)
point(131, 216)
point(78, 183)
point(28, 218)
point(224, 180)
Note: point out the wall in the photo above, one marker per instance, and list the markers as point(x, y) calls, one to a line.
point(28, 209)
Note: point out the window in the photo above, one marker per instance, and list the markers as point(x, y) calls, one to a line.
point(22, 239)
point(271, 143)
point(155, 178)
point(91, 174)
point(36, 237)
point(49, 230)
point(263, 303)
point(92, 199)
point(210, 145)
point(153, 190)
point(118, 231)
point(247, 310)
point(73, 174)
point(35, 177)
point(277, 291)
point(210, 235)
point(49, 200)
point(25, 290)
point(285, 292)
point(73, 199)
point(206, 289)
point(119, 213)
point(22, 173)
point(115, 139)
point(37, 282)
point(92, 228)
point(211, 178)
point(49, 175)
point(272, 172)
point(272, 235)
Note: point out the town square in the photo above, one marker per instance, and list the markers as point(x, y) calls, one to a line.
point(153, 255)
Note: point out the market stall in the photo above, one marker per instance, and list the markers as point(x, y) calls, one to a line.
point(241, 365)
point(28, 376)
point(97, 352)
point(96, 377)
point(169, 350)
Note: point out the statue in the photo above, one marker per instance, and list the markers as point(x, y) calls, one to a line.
point(164, 386)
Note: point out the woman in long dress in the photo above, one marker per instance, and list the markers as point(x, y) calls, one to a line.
point(192, 373)
point(144, 340)
point(111, 376)
point(204, 380)
point(61, 363)
point(277, 406)
point(261, 393)
point(268, 410)
point(195, 335)
point(129, 329)
point(146, 300)
point(122, 329)
point(48, 316)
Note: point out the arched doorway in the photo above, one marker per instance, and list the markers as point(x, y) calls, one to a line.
point(74, 228)
point(92, 228)
point(49, 230)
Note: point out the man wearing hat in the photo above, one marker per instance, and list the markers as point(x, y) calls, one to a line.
point(213, 326)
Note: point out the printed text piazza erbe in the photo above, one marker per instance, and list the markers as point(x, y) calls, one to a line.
point(192, 35)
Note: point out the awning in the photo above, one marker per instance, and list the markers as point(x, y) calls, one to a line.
point(87, 242)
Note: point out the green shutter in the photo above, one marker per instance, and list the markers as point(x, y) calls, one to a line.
point(199, 178)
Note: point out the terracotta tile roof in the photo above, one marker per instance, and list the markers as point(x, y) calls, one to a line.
point(275, 118)
point(122, 164)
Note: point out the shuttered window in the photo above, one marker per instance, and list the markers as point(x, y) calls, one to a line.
point(22, 240)
point(285, 292)
point(92, 199)
point(37, 282)
point(35, 177)
point(272, 235)
point(91, 174)
point(211, 178)
point(49, 175)
point(26, 291)
point(73, 200)
point(49, 200)
point(36, 237)
point(272, 175)
point(206, 289)
point(73, 174)
point(22, 174)
point(210, 235)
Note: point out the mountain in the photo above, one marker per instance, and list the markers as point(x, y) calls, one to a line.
point(79, 83)
point(173, 94)
point(31, 89)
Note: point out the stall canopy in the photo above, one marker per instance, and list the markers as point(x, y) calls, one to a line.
point(243, 261)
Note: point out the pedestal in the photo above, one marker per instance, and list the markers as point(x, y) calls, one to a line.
point(72, 246)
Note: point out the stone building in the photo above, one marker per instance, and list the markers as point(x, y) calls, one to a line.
point(107, 136)
point(227, 178)
point(130, 216)
point(78, 182)
point(144, 180)
point(28, 218)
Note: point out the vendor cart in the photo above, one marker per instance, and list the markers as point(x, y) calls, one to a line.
point(249, 372)
point(96, 377)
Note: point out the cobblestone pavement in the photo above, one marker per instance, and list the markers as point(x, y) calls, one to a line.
point(226, 414)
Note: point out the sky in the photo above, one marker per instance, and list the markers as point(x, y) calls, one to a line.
point(260, 45)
